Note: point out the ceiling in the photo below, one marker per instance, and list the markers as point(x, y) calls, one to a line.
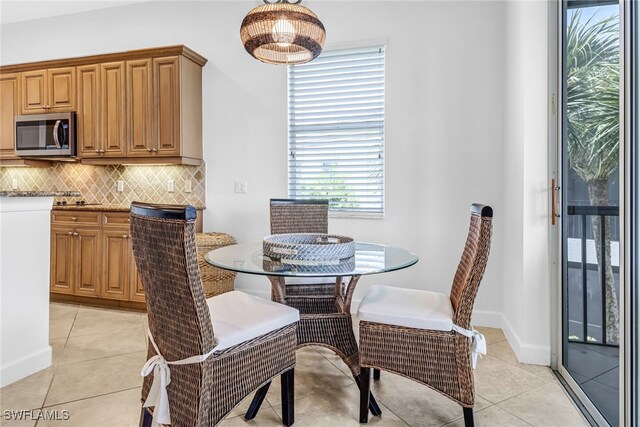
point(27, 10)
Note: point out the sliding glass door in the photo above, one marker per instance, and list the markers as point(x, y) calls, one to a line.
point(631, 375)
point(590, 194)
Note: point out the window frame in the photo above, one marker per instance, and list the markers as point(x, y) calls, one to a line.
point(382, 44)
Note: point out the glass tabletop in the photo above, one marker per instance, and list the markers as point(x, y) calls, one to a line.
point(370, 258)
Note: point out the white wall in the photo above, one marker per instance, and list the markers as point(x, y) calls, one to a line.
point(445, 134)
point(525, 263)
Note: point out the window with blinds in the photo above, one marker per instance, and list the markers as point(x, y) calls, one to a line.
point(336, 130)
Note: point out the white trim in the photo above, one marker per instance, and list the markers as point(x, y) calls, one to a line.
point(26, 366)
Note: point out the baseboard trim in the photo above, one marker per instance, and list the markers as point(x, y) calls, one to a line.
point(26, 366)
point(526, 353)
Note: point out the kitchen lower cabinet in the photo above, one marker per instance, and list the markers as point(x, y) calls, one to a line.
point(91, 256)
point(74, 260)
point(62, 255)
point(115, 266)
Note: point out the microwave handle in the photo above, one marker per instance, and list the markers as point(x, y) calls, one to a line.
point(56, 127)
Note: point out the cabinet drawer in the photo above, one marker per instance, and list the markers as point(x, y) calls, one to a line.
point(111, 219)
point(75, 217)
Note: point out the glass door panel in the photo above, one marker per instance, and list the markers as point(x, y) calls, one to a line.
point(590, 197)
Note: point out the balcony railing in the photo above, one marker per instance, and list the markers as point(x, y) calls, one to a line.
point(587, 258)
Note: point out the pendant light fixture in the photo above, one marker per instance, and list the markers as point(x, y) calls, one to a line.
point(280, 32)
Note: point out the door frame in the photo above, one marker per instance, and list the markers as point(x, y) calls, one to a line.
point(556, 99)
point(630, 158)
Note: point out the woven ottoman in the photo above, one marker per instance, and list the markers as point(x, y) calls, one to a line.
point(214, 280)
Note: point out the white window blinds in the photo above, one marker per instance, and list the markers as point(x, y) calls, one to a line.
point(336, 130)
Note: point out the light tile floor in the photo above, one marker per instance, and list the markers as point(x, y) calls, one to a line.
point(98, 354)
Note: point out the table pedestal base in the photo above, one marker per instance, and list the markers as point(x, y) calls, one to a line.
point(325, 320)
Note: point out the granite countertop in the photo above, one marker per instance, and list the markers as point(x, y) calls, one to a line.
point(104, 208)
point(39, 193)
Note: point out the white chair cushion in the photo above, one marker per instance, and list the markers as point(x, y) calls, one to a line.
point(407, 307)
point(239, 317)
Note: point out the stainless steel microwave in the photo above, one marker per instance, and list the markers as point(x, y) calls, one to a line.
point(46, 135)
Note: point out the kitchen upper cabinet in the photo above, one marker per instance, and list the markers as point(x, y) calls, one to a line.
point(166, 113)
point(142, 106)
point(34, 92)
point(139, 108)
point(9, 108)
point(112, 109)
point(61, 89)
point(87, 119)
point(48, 91)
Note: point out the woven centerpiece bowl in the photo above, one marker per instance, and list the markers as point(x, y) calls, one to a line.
point(308, 248)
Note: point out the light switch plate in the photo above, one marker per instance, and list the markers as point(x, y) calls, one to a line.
point(120, 186)
point(241, 187)
point(14, 184)
point(171, 186)
point(187, 186)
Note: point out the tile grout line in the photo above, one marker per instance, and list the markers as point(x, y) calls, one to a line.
point(102, 357)
point(91, 397)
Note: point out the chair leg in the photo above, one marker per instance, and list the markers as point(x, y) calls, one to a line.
point(287, 396)
point(373, 404)
point(364, 394)
point(376, 374)
point(468, 417)
point(145, 418)
point(258, 398)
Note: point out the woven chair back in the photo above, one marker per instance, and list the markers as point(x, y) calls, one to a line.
point(472, 264)
point(164, 248)
point(299, 216)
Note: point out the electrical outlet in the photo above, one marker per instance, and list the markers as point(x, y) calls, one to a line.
point(241, 187)
point(120, 188)
point(14, 184)
point(187, 186)
point(171, 186)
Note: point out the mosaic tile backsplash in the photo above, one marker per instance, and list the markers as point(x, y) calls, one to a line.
point(98, 184)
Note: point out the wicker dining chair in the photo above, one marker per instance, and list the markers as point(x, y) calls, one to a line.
point(205, 355)
point(302, 216)
point(425, 335)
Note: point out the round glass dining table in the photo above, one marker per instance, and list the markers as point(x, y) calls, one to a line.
point(370, 258)
point(324, 320)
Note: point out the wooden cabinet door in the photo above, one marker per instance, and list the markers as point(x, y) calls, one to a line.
point(61, 89)
point(9, 108)
point(62, 263)
point(87, 261)
point(115, 267)
point(166, 111)
point(136, 291)
point(112, 109)
point(87, 120)
point(33, 86)
point(139, 108)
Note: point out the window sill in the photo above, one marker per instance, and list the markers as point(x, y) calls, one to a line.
point(356, 215)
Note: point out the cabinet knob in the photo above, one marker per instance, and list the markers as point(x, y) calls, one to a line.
point(102, 150)
point(97, 151)
point(155, 150)
point(70, 233)
point(73, 218)
point(75, 233)
point(149, 149)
